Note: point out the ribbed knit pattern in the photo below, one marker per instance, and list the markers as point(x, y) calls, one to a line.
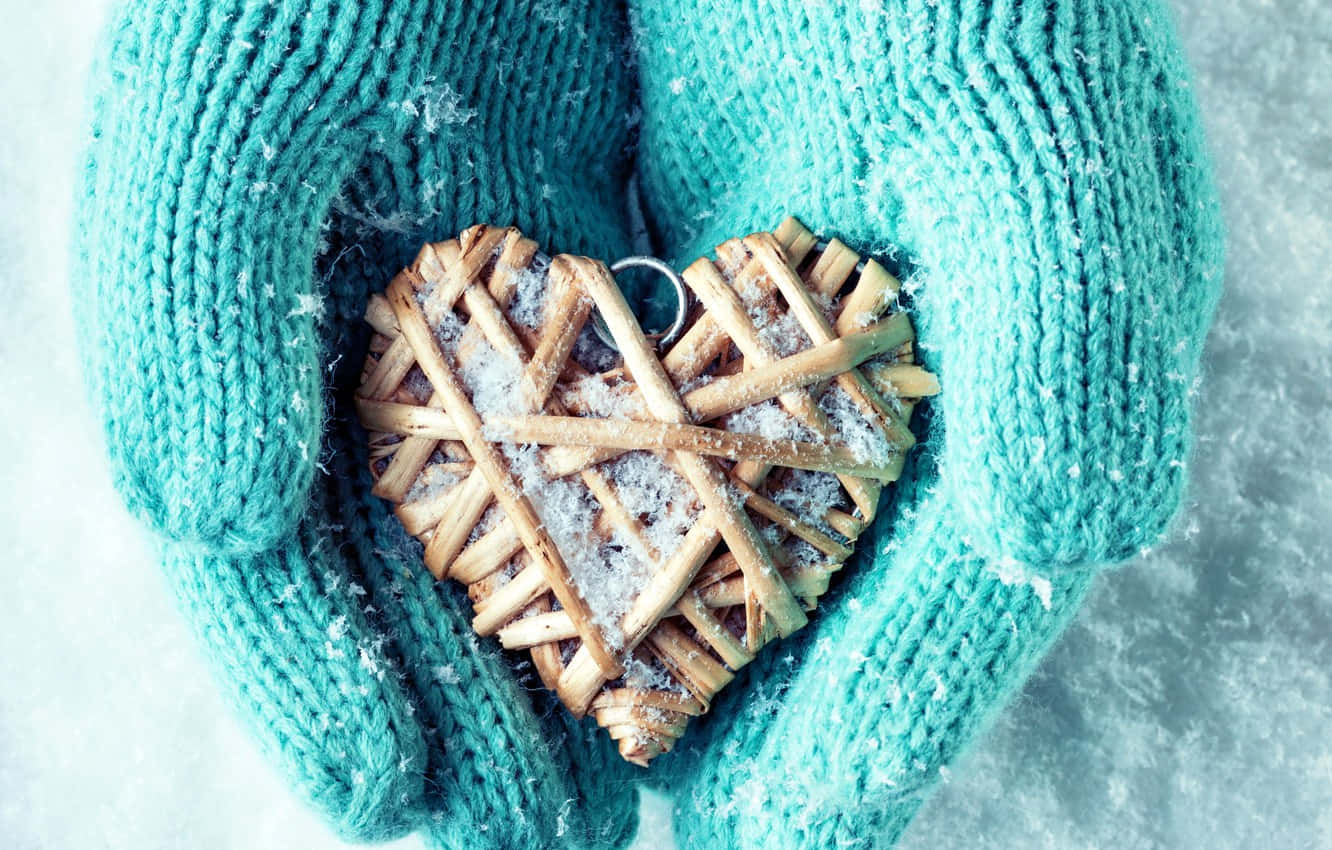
point(1038, 167)
point(255, 169)
point(1040, 163)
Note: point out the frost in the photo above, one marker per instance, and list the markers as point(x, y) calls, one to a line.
point(657, 496)
point(808, 495)
point(445, 674)
point(650, 675)
point(767, 419)
point(865, 441)
point(606, 569)
point(433, 480)
point(308, 304)
point(531, 286)
point(494, 380)
point(600, 399)
point(1012, 572)
point(436, 105)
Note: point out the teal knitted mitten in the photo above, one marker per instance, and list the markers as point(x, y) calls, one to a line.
point(1040, 165)
point(257, 169)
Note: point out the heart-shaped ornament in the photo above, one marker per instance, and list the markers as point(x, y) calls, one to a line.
point(641, 524)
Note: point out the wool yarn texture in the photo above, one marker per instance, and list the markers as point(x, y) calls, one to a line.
point(254, 170)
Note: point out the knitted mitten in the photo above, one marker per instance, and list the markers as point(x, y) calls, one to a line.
point(1039, 166)
point(255, 169)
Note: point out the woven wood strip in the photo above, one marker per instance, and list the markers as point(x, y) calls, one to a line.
point(773, 424)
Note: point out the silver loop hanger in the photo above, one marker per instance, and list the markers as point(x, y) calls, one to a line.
point(672, 333)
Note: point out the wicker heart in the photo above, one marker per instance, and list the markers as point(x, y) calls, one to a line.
point(641, 526)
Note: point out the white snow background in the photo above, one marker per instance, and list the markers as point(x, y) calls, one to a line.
point(1187, 706)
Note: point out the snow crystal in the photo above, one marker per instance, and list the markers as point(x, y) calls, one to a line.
point(602, 400)
point(493, 378)
point(435, 106)
point(865, 441)
point(657, 496)
point(432, 481)
point(531, 287)
point(1011, 572)
point(308, 304)
point(602, 568)
point(809, 494)
point(648, 673)
point(767, 419)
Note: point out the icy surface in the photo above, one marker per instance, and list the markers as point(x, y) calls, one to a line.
point(1186, 707)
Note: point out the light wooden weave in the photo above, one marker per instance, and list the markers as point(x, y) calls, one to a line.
point(747, 569)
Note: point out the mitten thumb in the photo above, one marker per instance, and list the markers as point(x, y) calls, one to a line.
point(219, 137)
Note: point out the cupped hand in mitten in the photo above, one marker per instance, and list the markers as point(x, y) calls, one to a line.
point(1036, 168)
point(256, 170)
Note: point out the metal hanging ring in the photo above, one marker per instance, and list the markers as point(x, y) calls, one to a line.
point(672, 333)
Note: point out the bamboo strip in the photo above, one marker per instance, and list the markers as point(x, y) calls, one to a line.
point(541, 372)
point(662, 700)
point(430, 271)
point(873, 293)
point(753, 620)
point(765, 507)
point(844, 524)
point(803, 369)
point(906, 380)
point(724, 302)
point(803, 581)
point(379, 316)
point(795, 239)
point(546, 657)
point(625, 435)
point(553, 348)
point(631, 719)
point(832, 269)
point(451, 535)
point(727, 394)
point(424, 513)
point(691, 664)
point(709, 628)
point(717, 569)
point(536, 630)
point(467, 502)
point(491, 551)
point(501, 606)
point(582, 678)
